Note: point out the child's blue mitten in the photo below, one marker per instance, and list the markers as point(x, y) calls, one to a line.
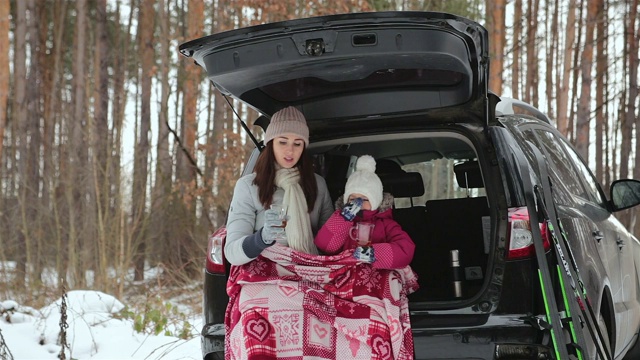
point(351, 209)
point(364, 254)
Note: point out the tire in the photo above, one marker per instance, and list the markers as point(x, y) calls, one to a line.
point(215, 356)
point(605, 334)
point(634, 352)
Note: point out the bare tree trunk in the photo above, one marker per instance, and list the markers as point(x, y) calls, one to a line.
point(633, 36)
point(563, 84)
point(496, 19)
point(552, 58)
point(601, 100)
point(517, 50)
point(216, 141)
point(532, 54)
point(32, 224)
point(634, 40)
point(186, 246)
point(77, 163)
point(631, 52)
point(575, 76)
point(53, 116)
point(89, 204)
point(140, 172)
point(164, 173)
point(209, 179)
point(123, 243)
point(99, 185)
point(4, 68)
point(584, 108)
point(20, 116)
point(5, 10)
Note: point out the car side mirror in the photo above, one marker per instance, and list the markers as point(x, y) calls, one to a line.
point(625, 194)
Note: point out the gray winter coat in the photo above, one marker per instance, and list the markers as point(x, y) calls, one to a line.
point(246, 215)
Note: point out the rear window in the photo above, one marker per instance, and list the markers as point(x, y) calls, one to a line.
point(311, 87)
point(440, 182)
point(414, 168)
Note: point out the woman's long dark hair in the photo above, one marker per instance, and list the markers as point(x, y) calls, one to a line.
point(265, 170)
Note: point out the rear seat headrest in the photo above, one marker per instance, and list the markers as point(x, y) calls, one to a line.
point(386, 166)
point(396, 181)
point(401, 185)
point(468, 175)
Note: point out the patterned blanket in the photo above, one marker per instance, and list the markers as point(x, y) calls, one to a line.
point(287, 304)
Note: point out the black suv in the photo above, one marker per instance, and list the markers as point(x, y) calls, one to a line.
point(470, 173)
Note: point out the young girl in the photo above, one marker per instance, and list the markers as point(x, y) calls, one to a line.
point(283, 175)
point(388, 246)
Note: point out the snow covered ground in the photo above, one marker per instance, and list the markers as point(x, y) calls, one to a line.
point(102, 327)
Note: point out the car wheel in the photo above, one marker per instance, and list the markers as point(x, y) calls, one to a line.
point(215, 356)
point(605, 335)
point(634, 352)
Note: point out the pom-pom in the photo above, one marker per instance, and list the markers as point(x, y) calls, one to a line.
point(366, 163)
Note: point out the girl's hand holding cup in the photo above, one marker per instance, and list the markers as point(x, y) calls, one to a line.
point(361, 234)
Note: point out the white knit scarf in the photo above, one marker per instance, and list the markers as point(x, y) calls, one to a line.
point(299, 233)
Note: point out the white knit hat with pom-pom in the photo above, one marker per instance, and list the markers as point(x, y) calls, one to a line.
point(365, 181)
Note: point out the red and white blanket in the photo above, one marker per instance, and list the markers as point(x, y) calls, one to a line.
point(287, 304)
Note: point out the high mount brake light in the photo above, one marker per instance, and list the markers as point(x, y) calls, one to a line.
point(215, 252)
point(520, 236)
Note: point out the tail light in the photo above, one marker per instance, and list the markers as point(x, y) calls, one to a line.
point(215, 252)
point(521, 237)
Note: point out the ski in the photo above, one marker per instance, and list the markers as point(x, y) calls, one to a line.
point(546, 284)
point(544, 197)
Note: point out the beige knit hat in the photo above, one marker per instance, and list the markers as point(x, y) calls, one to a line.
point(287, 121)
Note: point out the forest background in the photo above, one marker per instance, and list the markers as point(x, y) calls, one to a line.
point(117, 155)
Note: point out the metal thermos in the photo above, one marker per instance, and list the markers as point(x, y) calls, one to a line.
point(456, 273)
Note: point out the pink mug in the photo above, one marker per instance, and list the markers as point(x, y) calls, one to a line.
point(361, 233)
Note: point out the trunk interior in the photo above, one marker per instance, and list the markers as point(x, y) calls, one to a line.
point(440, 201)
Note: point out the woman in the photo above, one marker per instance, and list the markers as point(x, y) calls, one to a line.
point(283, 175)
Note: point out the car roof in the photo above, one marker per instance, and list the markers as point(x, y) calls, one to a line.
point(353, 67)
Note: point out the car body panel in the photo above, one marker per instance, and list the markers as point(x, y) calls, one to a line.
point(412, 87)
point(424, 61)
point(595, 235)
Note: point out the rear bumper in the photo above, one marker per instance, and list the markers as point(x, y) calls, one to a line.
point(486, 343)
point(215, 301)
point(442, 337)
point(212, 340)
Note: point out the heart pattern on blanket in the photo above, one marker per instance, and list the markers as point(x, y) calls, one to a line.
point(258, 328)
point(297, 307)
point(381, 347)
point(320, 331)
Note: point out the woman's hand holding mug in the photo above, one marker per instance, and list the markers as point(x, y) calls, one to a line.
point(274, 224)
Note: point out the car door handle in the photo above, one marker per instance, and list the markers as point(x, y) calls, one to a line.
point(597, 234)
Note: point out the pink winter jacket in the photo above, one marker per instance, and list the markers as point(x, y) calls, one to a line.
point(393, 248)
